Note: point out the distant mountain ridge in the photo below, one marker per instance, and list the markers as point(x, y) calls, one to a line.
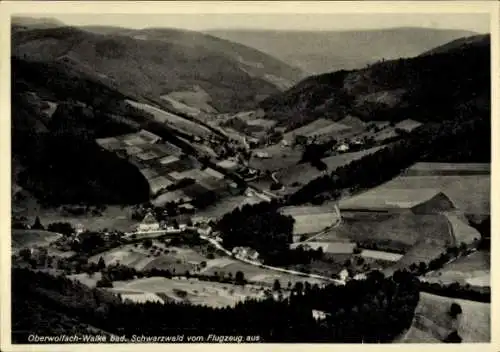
point(159, 62)
point(327, 51)
point(452, 80)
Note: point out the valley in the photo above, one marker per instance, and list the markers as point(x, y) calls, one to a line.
point(177, 178)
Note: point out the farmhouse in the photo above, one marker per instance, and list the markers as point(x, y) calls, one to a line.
point(204, 230)
point(149, 223)
point(343, 148)
point(149, 137)
point(418, 201)
point(319, 314)
point(262, 155)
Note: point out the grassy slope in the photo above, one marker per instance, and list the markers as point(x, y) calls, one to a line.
point(433, 319)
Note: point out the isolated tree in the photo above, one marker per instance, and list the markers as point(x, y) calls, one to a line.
point(422, 267)
point(455, 310)
point(299, 287)
point(276, 285)
point(101, 264)
point(104, 282)
point(38, 224)
point(240, 277)
point(454, 337)
point(147, 243)
point(25, 254)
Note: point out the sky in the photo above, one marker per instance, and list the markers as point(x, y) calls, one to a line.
point(474, 22)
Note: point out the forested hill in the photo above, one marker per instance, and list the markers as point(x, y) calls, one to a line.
point(434, 87)
point(210, 71)
point(324, 51)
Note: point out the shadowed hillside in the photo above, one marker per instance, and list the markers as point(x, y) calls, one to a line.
point(233, 77)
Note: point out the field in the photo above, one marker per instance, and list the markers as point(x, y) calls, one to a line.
point(462, 231)
point(32, 238)
point(253, 273)
point(432, 320)
point(113, 217)
point(473, 269)
point(317, 127)
point(408, 125)
point(175, 259)
point(443, 169)
point(303, 173)
point(328, 247)
point(192, 291)
point(311, 219)
point(226, 205)
point(470, 194)
point(85, 279)
point(171, 119)
point(388, 231)
point(279, 157)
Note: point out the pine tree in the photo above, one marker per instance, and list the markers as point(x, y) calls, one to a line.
point(38, 224)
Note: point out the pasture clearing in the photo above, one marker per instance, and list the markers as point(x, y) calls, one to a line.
point(304, 172)
point(226, 205)
point(160, 256)
point(432, 317)
point(32, 238)
point(113, 217)
point(408, 125)
point(311, 219)
point(86, 279)
point(279, 157)
point(398, 232)
point(470, 194)
point(255, 274)
point(328, 247)
point(379, 199)
point(197, 98)
point(448, 169)
point(192, 291)
point(421, 252)
point(473, 269)
point(462, 231)
point(320, 126)
point(172, 119)
point(416, 335)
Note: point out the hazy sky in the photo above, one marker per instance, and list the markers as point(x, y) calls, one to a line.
point(474, 22)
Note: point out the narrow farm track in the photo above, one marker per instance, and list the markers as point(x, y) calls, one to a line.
point(154, 234)
point(260, 265)
point(337, 224)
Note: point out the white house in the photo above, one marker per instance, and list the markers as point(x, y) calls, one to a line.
point(149, 223)
point(204, 230)
point(318, 314)
point(344, 275)
point(79, 228)
point(343, 148)
point(262, 155)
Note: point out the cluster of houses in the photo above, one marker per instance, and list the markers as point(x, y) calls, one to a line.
point(174, 225)
point(245, 253)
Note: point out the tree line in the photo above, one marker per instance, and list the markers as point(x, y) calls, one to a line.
point(373, 310)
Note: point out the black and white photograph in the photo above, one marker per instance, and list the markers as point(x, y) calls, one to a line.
point(208, 176)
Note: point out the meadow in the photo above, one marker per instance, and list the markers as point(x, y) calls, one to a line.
point(433, 322)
